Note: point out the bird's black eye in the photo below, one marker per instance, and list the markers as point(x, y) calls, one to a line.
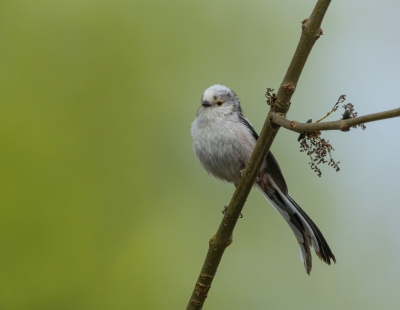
point(219, 102)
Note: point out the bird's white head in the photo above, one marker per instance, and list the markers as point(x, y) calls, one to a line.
point(219, 100)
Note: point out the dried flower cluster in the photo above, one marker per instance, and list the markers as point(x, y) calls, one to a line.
point(318, 149)
point(271, 97)
point(350, 113)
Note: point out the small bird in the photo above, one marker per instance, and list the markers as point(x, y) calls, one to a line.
point(223, 140)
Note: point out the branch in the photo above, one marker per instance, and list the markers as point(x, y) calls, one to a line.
point(218, 243)
point(343, 125)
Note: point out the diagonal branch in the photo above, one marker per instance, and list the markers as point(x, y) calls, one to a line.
point(343, 125)
point(218, 243)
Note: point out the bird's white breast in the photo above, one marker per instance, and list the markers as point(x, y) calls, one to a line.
point(223, 145)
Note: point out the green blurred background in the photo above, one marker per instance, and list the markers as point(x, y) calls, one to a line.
point(103, 205)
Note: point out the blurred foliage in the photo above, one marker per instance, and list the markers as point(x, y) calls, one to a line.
point(103, 205)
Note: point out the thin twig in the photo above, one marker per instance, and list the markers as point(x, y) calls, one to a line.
point(341, 99)
point(343, 125)
point(218, 243)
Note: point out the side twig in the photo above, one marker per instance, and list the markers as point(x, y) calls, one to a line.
point(343, 125)
point(310, 33)
point(341, 99)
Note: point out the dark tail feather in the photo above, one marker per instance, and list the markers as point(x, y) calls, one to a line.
point(325, 252)
point(305, 230)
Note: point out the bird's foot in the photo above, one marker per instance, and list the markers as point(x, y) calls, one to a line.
point(224, 212)
point(241, 175)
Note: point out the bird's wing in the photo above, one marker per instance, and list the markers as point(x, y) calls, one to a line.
point(247, 123)
point(275, 173)
point(272, 165)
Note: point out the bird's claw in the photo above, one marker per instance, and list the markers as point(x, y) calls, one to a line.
point(241, 175)
point(224, 212)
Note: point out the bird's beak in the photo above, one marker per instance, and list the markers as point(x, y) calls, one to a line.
point(206, 104)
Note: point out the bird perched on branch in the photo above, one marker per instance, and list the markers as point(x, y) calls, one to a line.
point(223, 140)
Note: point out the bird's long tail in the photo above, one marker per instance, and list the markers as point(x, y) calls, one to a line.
point(305, 230)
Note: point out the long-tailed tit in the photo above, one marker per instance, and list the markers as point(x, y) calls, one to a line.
point(223, 140)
